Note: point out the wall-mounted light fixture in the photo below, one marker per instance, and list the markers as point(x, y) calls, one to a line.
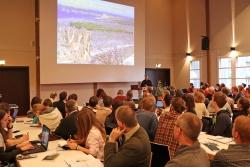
point(233, 48)
point(233, 52)
point(188, 54)
point(2, 62)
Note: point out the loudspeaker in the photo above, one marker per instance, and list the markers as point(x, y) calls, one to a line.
point(204, 43)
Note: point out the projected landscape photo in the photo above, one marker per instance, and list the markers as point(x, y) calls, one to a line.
point(94, 32)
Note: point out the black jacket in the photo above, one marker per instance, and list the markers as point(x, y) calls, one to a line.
point(67, 126)
point(223, 125)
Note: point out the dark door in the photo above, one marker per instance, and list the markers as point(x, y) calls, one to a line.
point(14, 87)
point(156, 74)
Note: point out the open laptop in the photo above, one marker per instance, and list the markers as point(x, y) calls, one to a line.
point(42, 145)
point(159, 104)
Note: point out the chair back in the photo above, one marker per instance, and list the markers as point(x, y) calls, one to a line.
point(160, 155)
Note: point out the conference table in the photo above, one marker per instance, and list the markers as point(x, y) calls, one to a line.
point(212, 144)
point(66, 158)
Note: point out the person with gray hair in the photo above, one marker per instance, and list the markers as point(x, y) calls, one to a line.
point(67, 127)
point(189, 153)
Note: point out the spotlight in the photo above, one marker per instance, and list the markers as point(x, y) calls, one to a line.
point(233, 48)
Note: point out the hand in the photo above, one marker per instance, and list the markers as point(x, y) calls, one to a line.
point(25, 137)
point(27, 146)
point(72, 144)
point(115, 134)
point(9, 121)
point(22, 144)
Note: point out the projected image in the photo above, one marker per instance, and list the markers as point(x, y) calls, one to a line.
point(95, 32)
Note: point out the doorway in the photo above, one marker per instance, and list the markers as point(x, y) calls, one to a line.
point(14, 87)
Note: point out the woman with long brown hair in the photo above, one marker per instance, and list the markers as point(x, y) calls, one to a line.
point(8, 154)
point(90, 137)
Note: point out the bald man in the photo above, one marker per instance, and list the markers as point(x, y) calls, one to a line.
point(237, 154)
point(189, 153)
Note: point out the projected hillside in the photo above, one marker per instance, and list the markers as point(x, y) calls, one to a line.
point(95, 32)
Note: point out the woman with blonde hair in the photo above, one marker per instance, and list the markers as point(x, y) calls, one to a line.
point(200, 107)
point(90, 137)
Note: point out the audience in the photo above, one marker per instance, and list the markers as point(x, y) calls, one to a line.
point(134, 148)
point(60, 105)
point(110, 122)
point(48, 116)
point(7, 131)
point(34, 100)
point(47, 103)
point(93, 101)
point(53, 97)
point(131, 131)
point(242, 107)
point(165, 130)
point(73, 96)
point(189, 154)
point(236, 154)
point(67, 127)
point(189, 101)
point(120, 96)
point(90, 137)
point(8, 153)
point(223, 122)
point(166, 102)
point(147, 117)
point(230, 101)
point(200, 107)
point(129, 96)
point(100, 94)
point(103, 112)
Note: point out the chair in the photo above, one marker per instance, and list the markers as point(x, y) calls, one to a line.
point(160, 155)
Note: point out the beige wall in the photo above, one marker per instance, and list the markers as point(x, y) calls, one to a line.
point(221, 31)
point(159, 34)
point(188, 27)
point(17, 34)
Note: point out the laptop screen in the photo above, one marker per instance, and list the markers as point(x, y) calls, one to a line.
point(15, 113)
point(45, 136)
point(159, 104)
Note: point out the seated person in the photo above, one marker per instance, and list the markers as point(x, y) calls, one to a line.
point(47, 103)
point(223, 124)
point(200, 107)
point(120, 96)
point(93, 101)
point(60, 104)
point(8, 154)
point(7, 131)
point(164, 132)
point(242, 108)
point(147, 117)
point(189, 154)
point(34, 100)
point(90, 137)
point(67, 127)
point(49, 116)
point(236, 154)
point(103, 112)
point(134, 146)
